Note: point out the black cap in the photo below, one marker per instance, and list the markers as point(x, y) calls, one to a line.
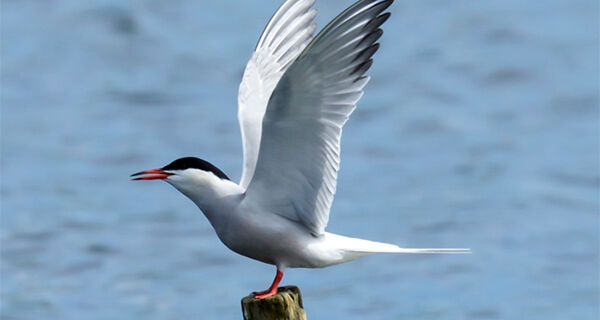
point(195, 163)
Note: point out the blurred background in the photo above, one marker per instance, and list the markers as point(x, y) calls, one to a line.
point(479, 128)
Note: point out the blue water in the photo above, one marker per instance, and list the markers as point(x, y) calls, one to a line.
point(480, 128)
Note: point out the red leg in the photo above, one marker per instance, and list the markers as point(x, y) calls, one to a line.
point(272, 289)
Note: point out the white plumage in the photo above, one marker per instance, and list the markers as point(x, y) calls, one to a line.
point(288, 32)
point(296, 95)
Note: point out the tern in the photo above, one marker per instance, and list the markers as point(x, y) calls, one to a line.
point(297, 92)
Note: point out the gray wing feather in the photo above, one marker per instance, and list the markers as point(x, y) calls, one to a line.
point(299, 157)
point(288, 32)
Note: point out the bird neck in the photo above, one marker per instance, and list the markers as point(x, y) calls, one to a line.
point(217, 198)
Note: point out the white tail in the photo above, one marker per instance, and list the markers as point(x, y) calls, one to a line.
point(338, 249)
point(433, 250)
point(359, 247)
point(367, 246)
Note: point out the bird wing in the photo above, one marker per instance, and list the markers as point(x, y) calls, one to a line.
point(297, 166)
point(288, 32)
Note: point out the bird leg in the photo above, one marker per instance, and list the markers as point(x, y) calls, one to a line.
point(272, 289)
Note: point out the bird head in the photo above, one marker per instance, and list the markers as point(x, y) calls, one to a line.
point(188, 175)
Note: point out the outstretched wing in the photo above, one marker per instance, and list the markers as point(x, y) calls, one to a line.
point(299, 154)
point(285, 36)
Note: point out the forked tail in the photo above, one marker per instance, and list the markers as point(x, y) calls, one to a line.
point(432, 250)
point(366, 246)
point(355, 248)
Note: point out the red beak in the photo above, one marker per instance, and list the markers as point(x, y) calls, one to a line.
point(154, 174)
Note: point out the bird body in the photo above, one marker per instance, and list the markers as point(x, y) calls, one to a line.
point(282, 242)
point(296, 94)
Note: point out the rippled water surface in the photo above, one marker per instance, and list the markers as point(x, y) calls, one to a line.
point(479, 129)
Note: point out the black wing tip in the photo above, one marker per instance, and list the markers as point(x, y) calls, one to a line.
point(372, 36)
point(387, 3)
point(362, 68)
point(359, 78)
point(382, 6)
point(383, 18)
point(378, 32)
point(377, 21)
point(375, 1)
point(367, 53)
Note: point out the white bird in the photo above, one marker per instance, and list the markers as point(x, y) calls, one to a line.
point(296, 94)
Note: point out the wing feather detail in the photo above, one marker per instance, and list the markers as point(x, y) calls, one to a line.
point(288, 32)
point(299, 157)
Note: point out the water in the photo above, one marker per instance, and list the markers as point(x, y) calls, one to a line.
point(478, 129)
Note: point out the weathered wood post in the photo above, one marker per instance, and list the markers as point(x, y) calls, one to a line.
point(285, 305)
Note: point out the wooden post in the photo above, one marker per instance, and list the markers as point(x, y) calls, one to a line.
point(285, 305)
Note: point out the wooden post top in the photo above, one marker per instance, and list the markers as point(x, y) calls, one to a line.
point(285, 305)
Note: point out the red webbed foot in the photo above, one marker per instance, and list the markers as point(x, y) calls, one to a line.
point(272, 289)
